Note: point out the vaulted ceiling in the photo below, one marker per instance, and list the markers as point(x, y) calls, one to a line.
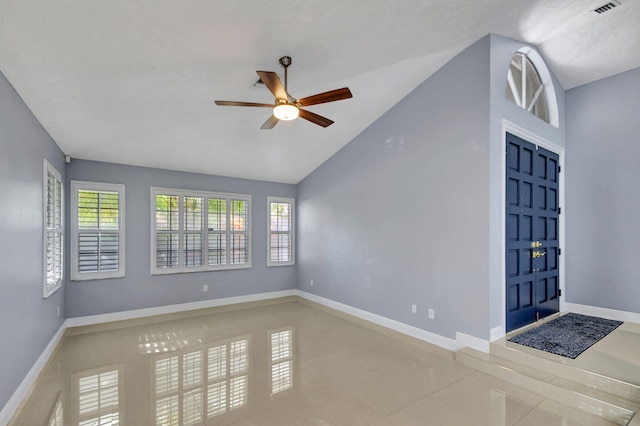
point(133, 81)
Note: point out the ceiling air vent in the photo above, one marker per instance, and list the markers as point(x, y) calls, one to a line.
point(607, 7)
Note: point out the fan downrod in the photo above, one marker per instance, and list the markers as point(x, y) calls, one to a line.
point(285, 61)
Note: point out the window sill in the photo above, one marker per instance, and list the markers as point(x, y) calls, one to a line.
point(172, 271)
point(94, 277)
point(276, 264)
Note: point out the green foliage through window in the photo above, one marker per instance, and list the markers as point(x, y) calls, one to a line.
point(200, 230)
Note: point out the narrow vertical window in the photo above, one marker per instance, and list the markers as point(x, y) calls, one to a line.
point(281, 231)
point(239, 231)
point(193, 210)
point(53, 230)
point(217, 246)
point(166, 231)
point(97, 227)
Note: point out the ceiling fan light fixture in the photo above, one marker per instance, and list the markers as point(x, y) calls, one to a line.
point(287, 108)
point(286, 112)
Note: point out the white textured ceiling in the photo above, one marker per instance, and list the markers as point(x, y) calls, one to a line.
point(133, 81)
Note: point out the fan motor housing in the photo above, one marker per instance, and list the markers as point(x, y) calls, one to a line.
point(285, 61)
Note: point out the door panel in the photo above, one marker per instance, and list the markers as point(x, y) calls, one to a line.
point(531, 233)
point(546, 269)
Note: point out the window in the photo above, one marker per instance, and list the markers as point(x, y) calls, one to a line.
point(97, 226)
point(281, 231)
point(525, 87)
point(199, 231)
point(53, 230)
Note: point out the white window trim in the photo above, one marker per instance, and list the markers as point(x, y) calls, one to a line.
point(204, 194)
point(76, 275)
point(48, 288)
point(291, 201)
point(546, 80)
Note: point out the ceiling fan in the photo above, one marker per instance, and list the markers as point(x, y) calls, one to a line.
point(285, 106)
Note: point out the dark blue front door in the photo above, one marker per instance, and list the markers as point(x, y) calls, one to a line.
point(532, 267)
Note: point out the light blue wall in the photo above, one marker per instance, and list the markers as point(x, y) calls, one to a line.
point(400, 215)
point(502, 50)
point(28, 321)
point(603, 199)
point(139, 289)
point(411, 211)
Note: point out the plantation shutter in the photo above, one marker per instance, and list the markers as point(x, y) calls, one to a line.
point(97, 245)
point(53, 230)
point(281, 232)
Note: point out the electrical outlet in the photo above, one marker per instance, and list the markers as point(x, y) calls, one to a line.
point(311, 283)
point(432, 314)
point(205, 287)
point(414, 308)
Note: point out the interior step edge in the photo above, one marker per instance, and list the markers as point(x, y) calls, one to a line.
point(571, 398)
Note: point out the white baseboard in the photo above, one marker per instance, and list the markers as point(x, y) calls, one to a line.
point(23, 389)
point(606, 313)
point(171, 309)
point(394, 325)
point(496, 333)
point(472, 342)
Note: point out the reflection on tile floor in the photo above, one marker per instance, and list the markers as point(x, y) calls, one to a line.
point(282, 364)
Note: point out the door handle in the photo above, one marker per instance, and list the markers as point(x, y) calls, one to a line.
point(536, 254)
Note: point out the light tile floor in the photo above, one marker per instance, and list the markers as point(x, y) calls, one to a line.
point(615, 356)
point(282, 364)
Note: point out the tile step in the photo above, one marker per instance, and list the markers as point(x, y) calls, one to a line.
point(611, 407)
point(558, 370)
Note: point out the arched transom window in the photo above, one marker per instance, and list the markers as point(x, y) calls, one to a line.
point(525, 87)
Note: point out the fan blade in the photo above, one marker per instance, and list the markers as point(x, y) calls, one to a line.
point(270, 123)
point(247, 104)
point(315, 118)
point(331, 96)
point(272, 81)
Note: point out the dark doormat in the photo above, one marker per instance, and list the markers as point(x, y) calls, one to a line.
point(569, 335)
